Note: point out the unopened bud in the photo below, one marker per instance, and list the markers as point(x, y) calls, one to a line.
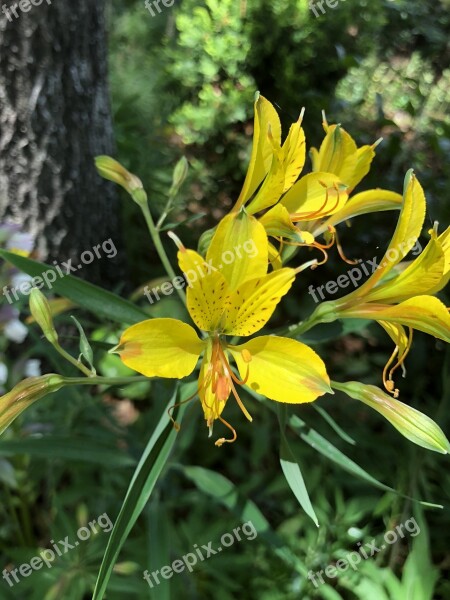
point(179, 175)
point(42, 314)
point(411, 423)
point(112, 170)
point(24, 394)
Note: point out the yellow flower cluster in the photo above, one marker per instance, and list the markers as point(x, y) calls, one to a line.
point(277, 207)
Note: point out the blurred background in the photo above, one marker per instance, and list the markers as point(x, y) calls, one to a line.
point(77, 81)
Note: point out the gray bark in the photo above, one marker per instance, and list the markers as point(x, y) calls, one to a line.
point(54, 118)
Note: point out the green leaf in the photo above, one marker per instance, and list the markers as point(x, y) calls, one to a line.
point(332, 423)
point(144, 479)
point(87, 295)
point(291, 469)
point(322, 445)
point(67, 448)
point(85, 347)
point(226, 493)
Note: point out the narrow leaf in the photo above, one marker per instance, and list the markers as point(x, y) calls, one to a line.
point(144, 480)
point(87, 295)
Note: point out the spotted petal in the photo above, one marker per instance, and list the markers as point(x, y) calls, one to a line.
point(282, 369)
point(252, 305)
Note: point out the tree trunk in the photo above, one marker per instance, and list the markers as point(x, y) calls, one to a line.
point(54, 118)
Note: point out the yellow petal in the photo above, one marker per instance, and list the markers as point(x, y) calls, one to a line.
point(315, 195)
point(421, 276)
point(239, 249)
point(261, 158)
point(360, 204)
point(207, 289)
point(282, 369)
point(252, 305)
point(161, 348)
point(277, 223)
point(190, 260)
point(406, 234)
point(294, 154)
point(273, 186)
point(444, 241)
point(335, 148)
point(424, 313)
point(398, 335)
point(207, 300)
point(356, 166)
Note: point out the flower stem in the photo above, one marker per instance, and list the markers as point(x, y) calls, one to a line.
point(98, 380)
point(155, 235)
point(300, 328)
point(76, 363)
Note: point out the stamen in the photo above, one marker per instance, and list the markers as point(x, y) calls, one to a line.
point(306, 216)
point(306, 265)
point(246, 356)
point(176, 239)
point(388, 383)
point(222, 441)
point(341, 251)
point(325, 254)
point(176, 425)
point(302, 113)
point(375, 144)
point(239, 382)
point(401, 361)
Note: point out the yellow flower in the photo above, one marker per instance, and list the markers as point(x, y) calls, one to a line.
point(398, 295)
point(228, 298)
point(322, 199)
point(297, 212)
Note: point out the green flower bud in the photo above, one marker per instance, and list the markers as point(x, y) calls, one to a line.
point(42, 314)
point(179, 175)
point(112, 170)
point(411, 423)
point(24, 394)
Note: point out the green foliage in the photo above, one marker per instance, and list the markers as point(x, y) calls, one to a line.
point(182, 85)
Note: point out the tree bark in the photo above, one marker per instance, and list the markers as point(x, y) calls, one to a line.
point(54, 118)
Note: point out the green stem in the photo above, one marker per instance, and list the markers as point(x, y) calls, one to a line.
point(165, 213)
point(300, 328)
point(154, 232)
point(72, 360)
point(97, 380)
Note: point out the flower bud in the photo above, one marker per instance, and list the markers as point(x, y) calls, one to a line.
point(42, 314)
point(179, 175)
point(411, 423)
point(112, 170)
point(24, 394)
